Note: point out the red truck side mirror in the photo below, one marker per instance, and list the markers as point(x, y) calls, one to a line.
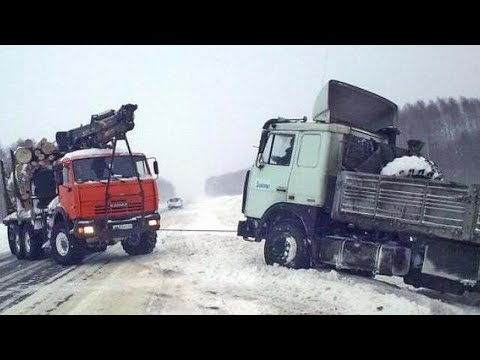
point(155, 167)
point(59, 175)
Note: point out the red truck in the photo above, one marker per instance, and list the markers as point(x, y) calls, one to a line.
point(92, 196)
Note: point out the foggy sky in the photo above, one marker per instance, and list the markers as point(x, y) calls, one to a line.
point(201, 108)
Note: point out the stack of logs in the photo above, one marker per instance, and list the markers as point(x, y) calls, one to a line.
point(29, 159)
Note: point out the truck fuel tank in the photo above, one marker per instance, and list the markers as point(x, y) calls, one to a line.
point(352, 254)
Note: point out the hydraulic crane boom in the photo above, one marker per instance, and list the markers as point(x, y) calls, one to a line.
point(102, 129)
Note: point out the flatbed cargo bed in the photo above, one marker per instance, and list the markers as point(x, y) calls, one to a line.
point(408, 205)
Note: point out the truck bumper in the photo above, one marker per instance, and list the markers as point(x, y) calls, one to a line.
point(113, 228)
point(249, 230)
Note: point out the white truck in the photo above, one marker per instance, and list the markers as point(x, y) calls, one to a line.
point(322, 193)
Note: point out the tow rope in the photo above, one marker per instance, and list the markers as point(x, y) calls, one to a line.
point(201, 230)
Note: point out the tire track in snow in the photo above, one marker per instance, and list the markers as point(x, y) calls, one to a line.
point(6, 257)
point(21, 279)
point(21, 284)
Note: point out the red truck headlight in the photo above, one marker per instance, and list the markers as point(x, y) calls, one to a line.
point(86, 230)
point(153, 222)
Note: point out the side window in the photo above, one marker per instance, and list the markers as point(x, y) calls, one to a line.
point(66, 175)
point(141, 167)
point(268, 148)
point(282, 149)
point(309, 151)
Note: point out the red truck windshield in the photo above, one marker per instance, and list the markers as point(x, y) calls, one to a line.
point(96, 169)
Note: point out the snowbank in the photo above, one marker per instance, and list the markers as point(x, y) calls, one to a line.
point(217, 273)
point(235, 271)
point(4, 248)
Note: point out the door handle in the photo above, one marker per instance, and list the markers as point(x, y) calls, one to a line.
point(282, 189)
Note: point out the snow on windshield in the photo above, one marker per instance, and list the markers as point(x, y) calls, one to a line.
point(80, 154)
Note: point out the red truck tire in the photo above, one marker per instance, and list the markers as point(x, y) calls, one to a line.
point(141, 244)
point(66, 248)
point(32, 244)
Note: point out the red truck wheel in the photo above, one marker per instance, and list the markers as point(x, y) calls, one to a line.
point(32, 245)
point(141, 244)
point(13, 239)
point(66, 248)
point(16, 243)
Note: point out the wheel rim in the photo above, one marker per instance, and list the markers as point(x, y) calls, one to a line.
point(284, 249)
point(62, 244)
point(27, 242)
point(17, 243)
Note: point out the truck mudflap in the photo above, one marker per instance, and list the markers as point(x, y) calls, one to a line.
point(349, 254)
point(123, 227)
point(453, 261)
point(248, 230)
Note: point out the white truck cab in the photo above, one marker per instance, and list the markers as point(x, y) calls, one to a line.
point(295, 165)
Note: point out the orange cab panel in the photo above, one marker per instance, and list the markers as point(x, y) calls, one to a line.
point(125, 199)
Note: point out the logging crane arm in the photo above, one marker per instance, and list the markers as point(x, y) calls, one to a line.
point(103, 128)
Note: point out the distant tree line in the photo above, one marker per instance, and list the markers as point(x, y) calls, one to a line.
point(450, 129)
point(227, 184)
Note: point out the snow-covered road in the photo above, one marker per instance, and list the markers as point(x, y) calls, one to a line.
point(204, 273)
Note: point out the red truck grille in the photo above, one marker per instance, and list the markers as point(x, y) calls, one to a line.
point(129, 208)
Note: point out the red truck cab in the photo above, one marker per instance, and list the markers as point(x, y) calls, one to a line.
point(104, 198)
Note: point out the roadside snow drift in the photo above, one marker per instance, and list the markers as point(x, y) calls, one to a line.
point(4, 248)
point(219, 273)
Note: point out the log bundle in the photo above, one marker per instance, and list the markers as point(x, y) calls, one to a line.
point(29, 160)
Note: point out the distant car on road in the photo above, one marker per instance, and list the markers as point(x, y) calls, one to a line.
point(175, 203)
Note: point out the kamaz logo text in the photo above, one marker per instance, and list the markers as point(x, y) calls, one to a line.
point(119, 204)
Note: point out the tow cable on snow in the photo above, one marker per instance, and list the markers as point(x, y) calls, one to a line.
point(202, 230)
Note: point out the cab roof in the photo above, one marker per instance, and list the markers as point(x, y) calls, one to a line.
point(93, 153)
point(318, 126)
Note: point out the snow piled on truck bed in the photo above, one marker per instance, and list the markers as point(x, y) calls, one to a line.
point(411, 165)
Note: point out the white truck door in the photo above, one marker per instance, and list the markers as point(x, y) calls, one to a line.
point(268, 183)
point(308, 170)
